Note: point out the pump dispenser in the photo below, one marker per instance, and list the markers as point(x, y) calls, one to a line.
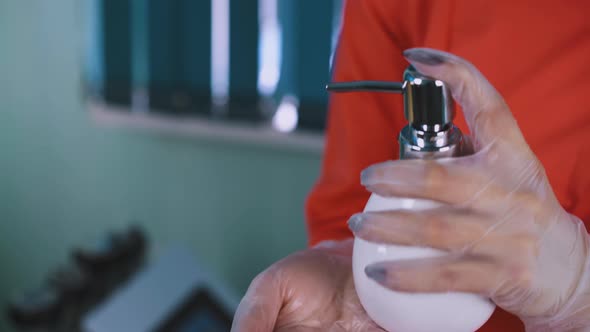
point(430, 134)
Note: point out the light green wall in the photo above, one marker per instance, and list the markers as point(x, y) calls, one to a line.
point(64, 180)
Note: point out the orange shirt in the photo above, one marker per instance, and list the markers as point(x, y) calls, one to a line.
point(536, 53)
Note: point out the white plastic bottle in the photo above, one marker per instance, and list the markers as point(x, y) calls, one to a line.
point(430, 134)
point(406, 312)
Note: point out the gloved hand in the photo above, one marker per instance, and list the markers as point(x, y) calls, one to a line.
point(506, 234)
point(308, 291)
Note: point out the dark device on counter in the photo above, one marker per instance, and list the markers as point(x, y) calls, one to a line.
point(201, 312)
point(72, 289)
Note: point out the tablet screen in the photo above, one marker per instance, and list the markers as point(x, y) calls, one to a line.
point(200, 312)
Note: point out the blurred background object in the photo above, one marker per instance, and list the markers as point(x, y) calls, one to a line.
point(228, 59)
point(218, 109)
point(76, 288)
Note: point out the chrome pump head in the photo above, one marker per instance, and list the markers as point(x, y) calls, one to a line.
point(429, 109)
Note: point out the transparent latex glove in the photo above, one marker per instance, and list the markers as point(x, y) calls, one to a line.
point(506, 235)
point(308, 291)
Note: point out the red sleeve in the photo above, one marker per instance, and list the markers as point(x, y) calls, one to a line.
point(362, 127)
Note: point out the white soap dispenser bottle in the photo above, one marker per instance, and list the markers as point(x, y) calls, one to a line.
point(430, 134)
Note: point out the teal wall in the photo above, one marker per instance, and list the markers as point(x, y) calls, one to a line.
point(64, 180)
